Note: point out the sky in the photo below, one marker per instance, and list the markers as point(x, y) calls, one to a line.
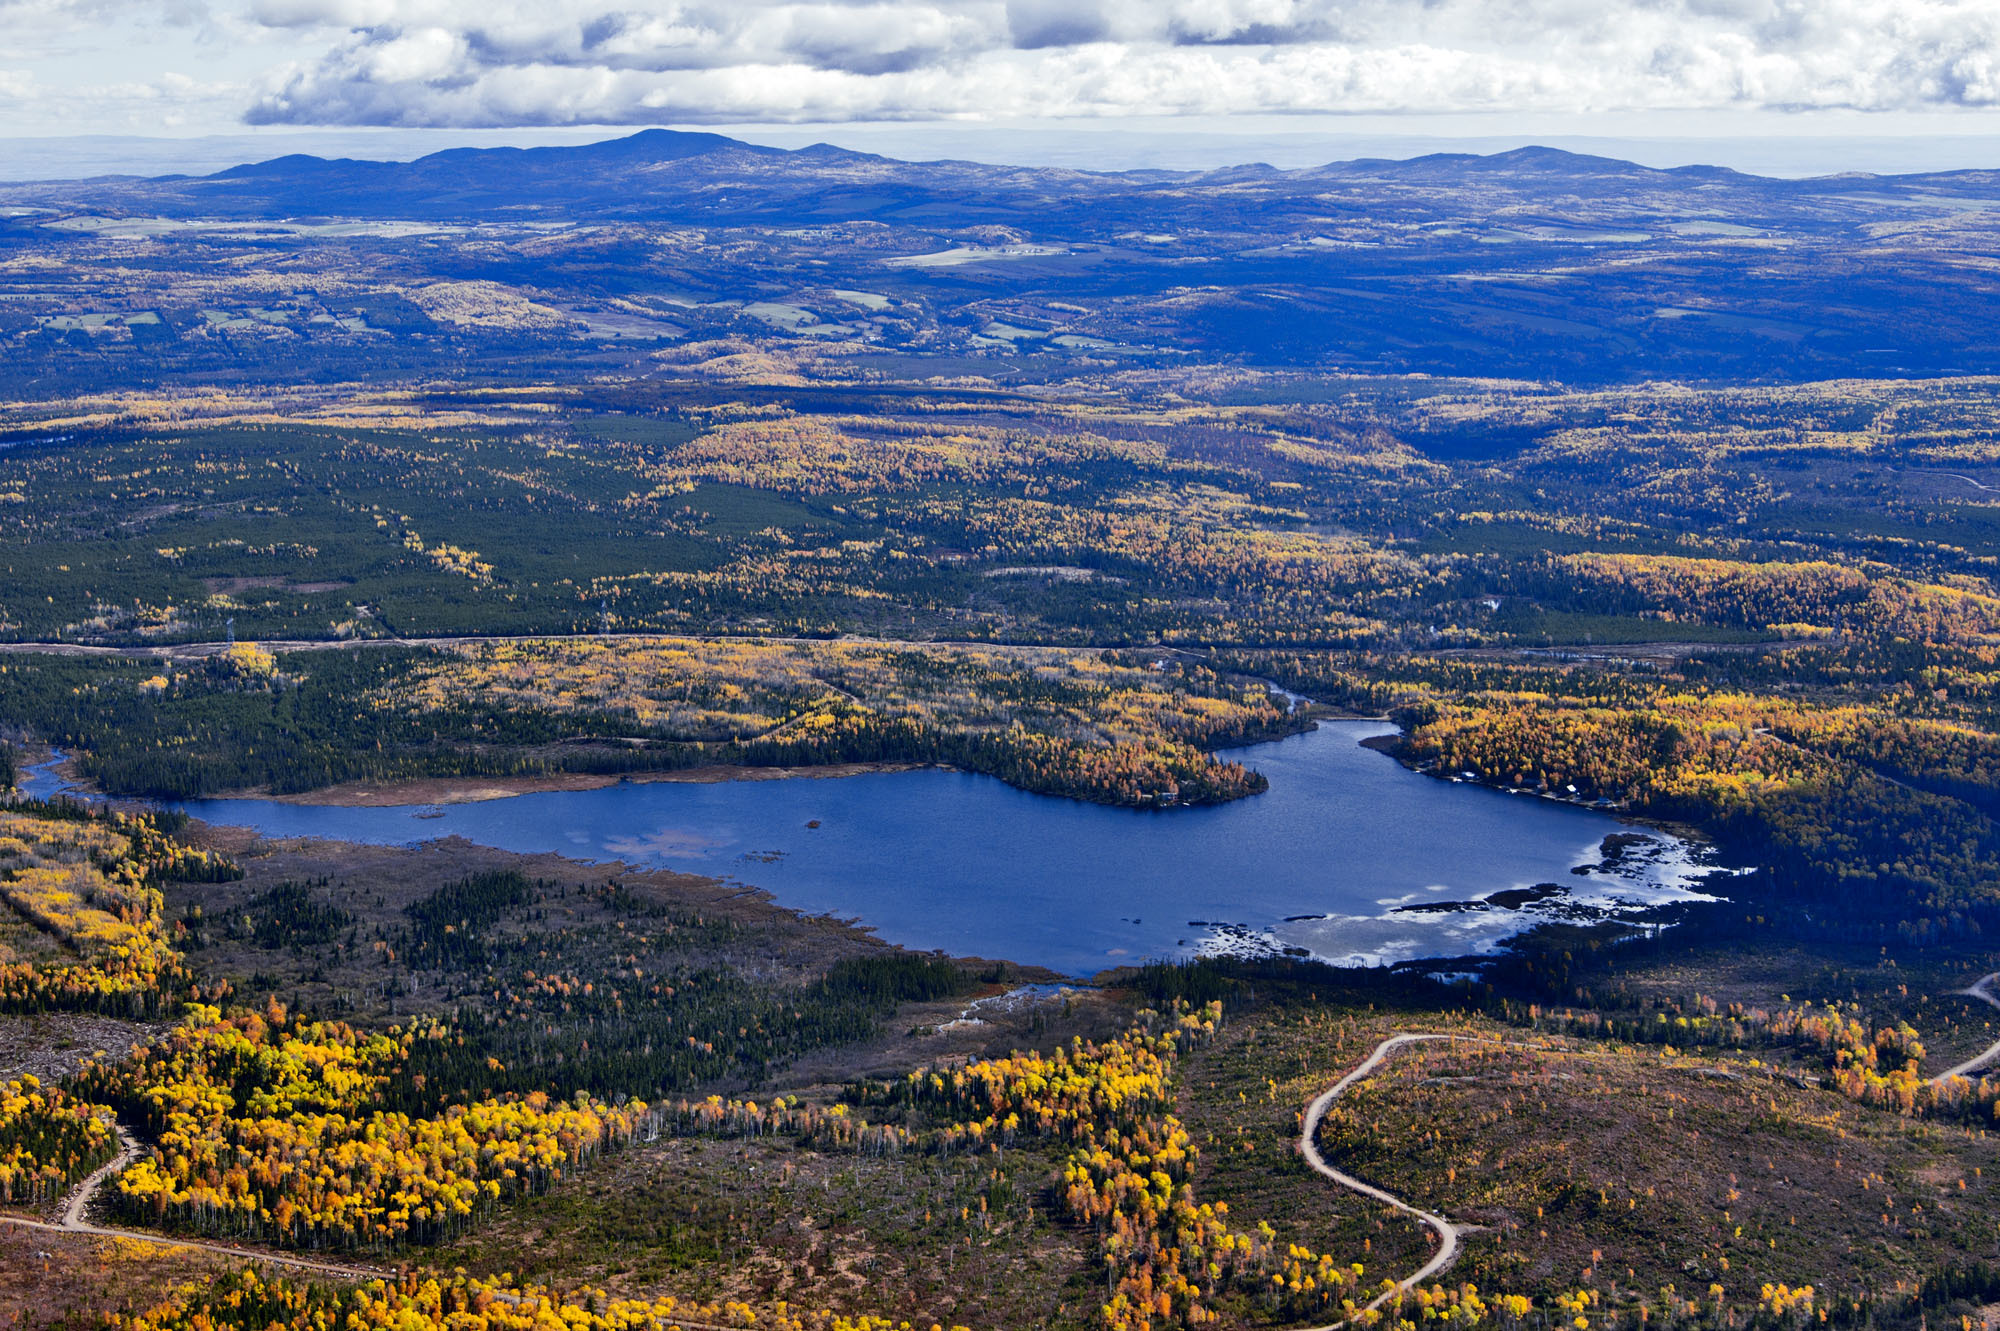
point(1131, 76)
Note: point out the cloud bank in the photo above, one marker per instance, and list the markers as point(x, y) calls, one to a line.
point(502, 63)
point(505, 62)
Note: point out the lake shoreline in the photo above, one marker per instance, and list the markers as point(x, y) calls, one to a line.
point(438, 791)
point(1396, 746)
point(966, 864)
point(443, 790)
point(1397, 915)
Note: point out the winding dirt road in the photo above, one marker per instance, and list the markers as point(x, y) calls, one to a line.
point(75, 1214)
point(1956, 476)
point(75, 1219)
point(1446, 1232)
point(1985, 992)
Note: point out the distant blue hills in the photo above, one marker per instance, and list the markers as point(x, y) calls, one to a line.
point(1536, 262)
point(664, 174)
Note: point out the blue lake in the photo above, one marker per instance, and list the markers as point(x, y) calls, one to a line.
point(1326, 861)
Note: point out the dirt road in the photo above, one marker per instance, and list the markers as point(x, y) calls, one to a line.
point(75, 1219)
point(1986, 992)
point(1446, 1232)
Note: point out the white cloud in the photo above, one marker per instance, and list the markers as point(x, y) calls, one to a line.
point(409, 58)
point(532, 62)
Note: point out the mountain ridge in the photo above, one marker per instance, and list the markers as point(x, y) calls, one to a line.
point(1535, 262)
point(357, 182)
point(660, 145)
point(680, 145)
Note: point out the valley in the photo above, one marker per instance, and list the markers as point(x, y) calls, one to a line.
point(408, 567)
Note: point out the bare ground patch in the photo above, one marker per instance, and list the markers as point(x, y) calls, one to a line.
point(51, 1046)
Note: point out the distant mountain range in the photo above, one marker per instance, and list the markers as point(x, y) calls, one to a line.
point(1534, 263)
point(668, 175)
